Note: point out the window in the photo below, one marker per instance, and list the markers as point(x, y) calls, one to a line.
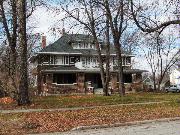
point(87, 45)
point(45, 59)
point(89, 60)
point(83, 61)
point(79, 44)
point(66, 60)
point(123, 60)
point(64, 78)
point(72, 60)
point(115, 62)
point(84, 45)
point(52, 59)
point(128, 60)
point(94, 60)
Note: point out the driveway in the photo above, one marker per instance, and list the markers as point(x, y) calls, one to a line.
point(155, 128)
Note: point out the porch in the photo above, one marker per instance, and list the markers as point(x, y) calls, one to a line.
point(85, 81)
point(64, 83)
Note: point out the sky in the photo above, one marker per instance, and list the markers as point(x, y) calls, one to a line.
point(45, 22)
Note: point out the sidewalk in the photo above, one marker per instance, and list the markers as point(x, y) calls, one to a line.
point(75, 108)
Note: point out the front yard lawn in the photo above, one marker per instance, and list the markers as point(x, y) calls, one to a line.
point(71, 101)
point(41, 122)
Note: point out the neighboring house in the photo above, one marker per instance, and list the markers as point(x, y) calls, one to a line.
point(71, 64)
point(148, 83)
point(175, 77)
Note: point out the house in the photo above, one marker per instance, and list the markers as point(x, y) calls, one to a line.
point(148, 83)
point(175, 77)
point(71, 65)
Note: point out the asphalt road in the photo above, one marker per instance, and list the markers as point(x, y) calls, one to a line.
point(155, 128)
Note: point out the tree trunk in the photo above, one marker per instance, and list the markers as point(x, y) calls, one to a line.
point(120, 67)
point(100, 61)
point(39, 76)
point(117, 33)
point(12, 38)
point(159, 86)
point(101, 65)
point(107, 79)
point(154, 80)
point(23, 98)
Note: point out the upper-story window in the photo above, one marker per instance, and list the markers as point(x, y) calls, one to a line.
point(123, 61)
point(128, 60)
point(45, 59)
point(66, 60)
point(81, 45)
point(49, 59)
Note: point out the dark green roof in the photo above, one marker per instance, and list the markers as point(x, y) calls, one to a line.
point(63, 45)
point(80, 37)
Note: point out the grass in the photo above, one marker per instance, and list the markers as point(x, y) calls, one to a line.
point(71, 101)
point(99, 100)
point(57, 121)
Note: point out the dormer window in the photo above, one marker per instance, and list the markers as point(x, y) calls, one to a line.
point(80, 45)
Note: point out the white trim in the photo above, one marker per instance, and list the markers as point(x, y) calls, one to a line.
point(62, 84)
point(56, 53)
point(65, 53)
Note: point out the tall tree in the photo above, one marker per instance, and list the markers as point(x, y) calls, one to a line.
point(11, 34)
point(23, 98)
point(161, 54)
point(92, 19)
point(116, 12)
point(144, 23)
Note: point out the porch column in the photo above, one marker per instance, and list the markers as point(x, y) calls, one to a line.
point(113, 81)
point(49, 81)
point(137, 82)
point(80, 82)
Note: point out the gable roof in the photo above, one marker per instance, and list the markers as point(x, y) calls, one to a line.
point(63, 46)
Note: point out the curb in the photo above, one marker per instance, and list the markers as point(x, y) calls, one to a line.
point(112, 125)
point(125, 124)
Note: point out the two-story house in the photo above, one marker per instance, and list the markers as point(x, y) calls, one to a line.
point(71, 64)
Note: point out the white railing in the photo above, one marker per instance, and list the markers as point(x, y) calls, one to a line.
point(82, 65)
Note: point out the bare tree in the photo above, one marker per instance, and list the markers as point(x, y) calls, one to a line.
point(149, 25)
point(117, 13)
point(161, 54)
point(23, 98)
point(9, 23)
point(92, 20)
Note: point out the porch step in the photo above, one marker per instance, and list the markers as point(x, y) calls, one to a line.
point(98, 91)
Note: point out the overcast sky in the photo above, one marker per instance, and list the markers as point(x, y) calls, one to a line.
point(44, 21)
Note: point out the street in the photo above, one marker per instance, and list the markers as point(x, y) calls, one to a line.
point(156, 128)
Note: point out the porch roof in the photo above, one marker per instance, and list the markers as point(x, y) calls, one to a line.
point(134, 71)
point(72, 69)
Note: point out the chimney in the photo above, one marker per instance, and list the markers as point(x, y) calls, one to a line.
point(43, 45)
